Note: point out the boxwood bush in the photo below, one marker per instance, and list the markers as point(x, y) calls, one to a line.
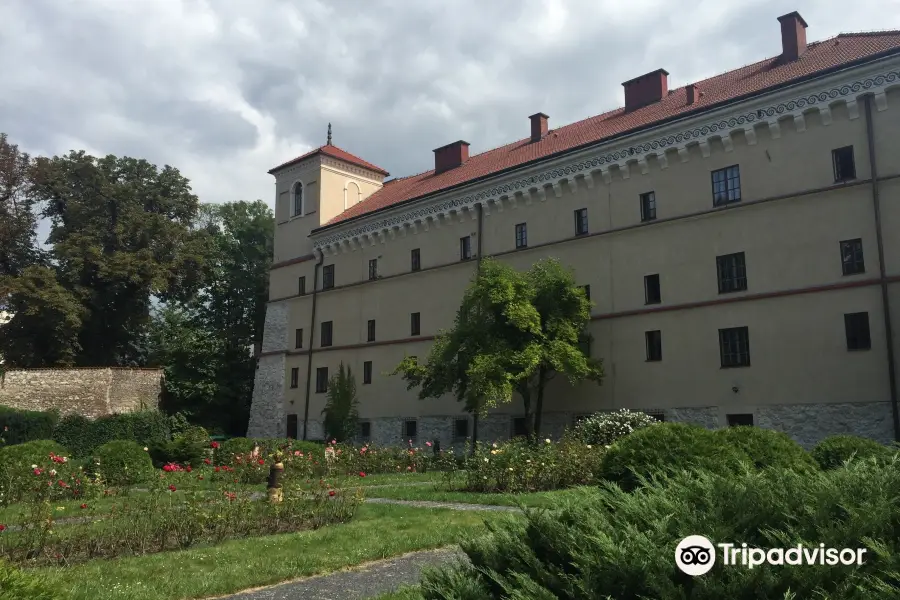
point(668, 447)
point(834, 451)
point(612, 544)
point(768, 448)
point(122, 463)
point(16, 584)
point(20, 426)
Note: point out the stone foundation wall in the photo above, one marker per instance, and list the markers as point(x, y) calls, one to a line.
point(809, 423)
point(91, 393)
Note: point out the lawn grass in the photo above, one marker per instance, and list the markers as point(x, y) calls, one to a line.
point(377, 532)
point(437, 494)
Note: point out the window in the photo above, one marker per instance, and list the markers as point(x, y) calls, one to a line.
point(581, 221)
point(852, 257)
point(654, 345)
point(295, 377)
point(373, 268)
point(321, 380)
point(732, 270)
point(414, 323)
point(298, 338)
point(370, 331)
point(292, 427)
point(365, 429)
point(301, 285)
point(521, 235)
point(410, 429)
point(327, 327)
point(734, 347)
point(367, 372)
point(415, 259)
point(518, 427)
point(844, 165)
point(587, 291)
point(327, 277)
point(297, 205)
point(461, 429)
point(857, 329)
point(652, 293)
point(585, 341)
point(726, 185)
point(465, 248)
point(648, 206)
point(740, 420)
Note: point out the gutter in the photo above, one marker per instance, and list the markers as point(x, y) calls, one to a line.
point(879, 237)
point(312, 333)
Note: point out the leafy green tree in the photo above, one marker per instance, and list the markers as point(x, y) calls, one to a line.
point(18, 218)
point(340, 412)
point(513, 333)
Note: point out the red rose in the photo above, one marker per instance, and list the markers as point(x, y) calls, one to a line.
point(331, 493)
point(200, 477)
point(172, 488)
point(215, 445)
point(217, 469)
point(206, 460)
point(188, 469)
point(2, 527)
point(361, 474)
point(261, 461)
point(83, 506)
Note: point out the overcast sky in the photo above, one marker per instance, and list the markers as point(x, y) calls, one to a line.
point(226, 89)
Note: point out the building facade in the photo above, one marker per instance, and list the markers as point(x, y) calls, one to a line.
point(739, 237)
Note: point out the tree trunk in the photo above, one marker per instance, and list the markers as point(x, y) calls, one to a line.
point(539, 405)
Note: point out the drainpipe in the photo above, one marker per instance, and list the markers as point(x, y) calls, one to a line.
point(478, 246)
point(885, 300)
point(312, 333)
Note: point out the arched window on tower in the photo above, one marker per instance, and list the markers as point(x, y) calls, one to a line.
point(297, 208)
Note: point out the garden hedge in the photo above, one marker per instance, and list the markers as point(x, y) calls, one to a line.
point(835, 450)
point(668, 447)
point(608, 543)
point(768, 448)
point(122, 463)
point(20, 426)
point(83, 436)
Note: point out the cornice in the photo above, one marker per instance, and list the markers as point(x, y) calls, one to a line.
point(345, 167)
point(675, 139)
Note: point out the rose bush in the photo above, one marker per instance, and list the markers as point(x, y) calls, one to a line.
point(603, 429)
point(40, 470)
point(122, 463)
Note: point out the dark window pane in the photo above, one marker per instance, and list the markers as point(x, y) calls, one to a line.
point(367, 372)
point(465, 248)
point(415, 259)
point(852, 261)
point(654, 345)
point(461, 428)
point(327, 277)
point(734, 347)
point(321, 380)
point(326, 333)
point(844, 164)
point(301, 285)
point(732, 273)
point(365, 430)
point(410, 430)
point(370, 333)
point(295, 377)
point(652, 292)
point(581, 221)
point(521, 235)
point(518, 427)
point(373, 268)
point(292, 427)
point(648, 206)
point(726, 185)
point(740, 420)
point(856, 326)
point(298, 338)
point(414, 323)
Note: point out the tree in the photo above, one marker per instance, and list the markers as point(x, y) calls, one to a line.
point(18, 219)
point(513, 333)
point(340, 412)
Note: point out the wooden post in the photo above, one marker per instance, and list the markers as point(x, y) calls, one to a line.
point(276, 494)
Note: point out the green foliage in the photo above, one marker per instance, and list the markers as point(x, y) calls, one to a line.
point(602, 429)
point(612, 544)
point(668, 447)
point(232, 447)
point(340, 412)
point(834, 451)
point(768, 448)
point(122, 463)
point(19, 426)
point(512, 334)
point(82, 436)
point(16, 584)
point(16, 471)
point(191, 447)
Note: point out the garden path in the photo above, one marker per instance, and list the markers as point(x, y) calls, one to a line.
point(368, 580)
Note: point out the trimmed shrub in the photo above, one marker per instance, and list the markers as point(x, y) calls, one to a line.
point(230, 448)
point(835, 450)
point(608, 543)
point(17, 477)
point(20, 426)
point(83, 436)
point(123, 463)
point(603, 429)
point(189, 448)
point(16, 584)
point(666, 448)
point(768, 448)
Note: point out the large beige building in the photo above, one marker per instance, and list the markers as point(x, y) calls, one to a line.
point(739, 237)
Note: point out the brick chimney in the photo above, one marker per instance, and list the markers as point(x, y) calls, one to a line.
point(693, 93)
point(646, 89)
point(793, 36)
point(450, 156)
point(539, 127)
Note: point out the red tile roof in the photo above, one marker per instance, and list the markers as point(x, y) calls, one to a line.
point(772, 72)
point(334, 152)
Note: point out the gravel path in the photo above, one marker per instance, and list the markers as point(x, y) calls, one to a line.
point(368, 580)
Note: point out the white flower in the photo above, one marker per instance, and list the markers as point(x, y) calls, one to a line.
point(528, 461)
point(53, 472)
point(510, 468)
point(145, 449)
point(547, 441)
point(588, 446)
point(34, 466)
point(487, 460)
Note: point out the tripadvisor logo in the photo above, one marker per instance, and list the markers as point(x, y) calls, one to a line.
point(696, 555)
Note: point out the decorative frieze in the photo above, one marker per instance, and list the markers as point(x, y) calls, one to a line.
point(603, 158)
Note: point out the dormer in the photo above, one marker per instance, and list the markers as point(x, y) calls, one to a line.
point(315, 187)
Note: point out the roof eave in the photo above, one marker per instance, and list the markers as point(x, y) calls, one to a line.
point(655, 124)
